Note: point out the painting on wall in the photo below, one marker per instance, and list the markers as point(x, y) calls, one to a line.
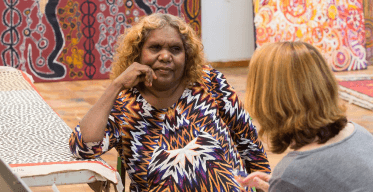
point(336, 27)
point(58, 40)
point(368, 15)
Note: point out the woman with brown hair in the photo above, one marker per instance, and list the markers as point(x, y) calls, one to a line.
point(176, 122)
point(293, 95)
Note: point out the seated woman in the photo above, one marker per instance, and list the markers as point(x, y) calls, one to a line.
point(293, 94)
point(176, 123)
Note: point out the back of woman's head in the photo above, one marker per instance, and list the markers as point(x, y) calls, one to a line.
point(293, 94)
point(129, 45)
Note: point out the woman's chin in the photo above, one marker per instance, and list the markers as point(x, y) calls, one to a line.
point(164, 84)
point(161, 86)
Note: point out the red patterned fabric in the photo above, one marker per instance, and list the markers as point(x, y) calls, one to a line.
point(362, 86)
point(56, 40)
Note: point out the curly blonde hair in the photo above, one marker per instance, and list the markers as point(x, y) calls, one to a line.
point(293, 94)
point(129, 45)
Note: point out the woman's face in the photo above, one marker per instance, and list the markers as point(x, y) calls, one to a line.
point(164, 52)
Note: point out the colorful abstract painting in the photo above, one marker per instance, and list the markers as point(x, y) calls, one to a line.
point(56, 40)
point(368, 15)
point(336, 27)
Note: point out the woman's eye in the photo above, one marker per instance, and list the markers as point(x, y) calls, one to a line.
point(155, 47)
point(176, 49)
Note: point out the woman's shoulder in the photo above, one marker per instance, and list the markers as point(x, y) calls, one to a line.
point(211, 74)
point(210, 70)
point(284, 163)
point(361, 129)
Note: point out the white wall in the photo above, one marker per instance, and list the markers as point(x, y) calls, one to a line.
point(227, 29)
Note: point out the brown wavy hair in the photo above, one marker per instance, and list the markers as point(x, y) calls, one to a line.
point(129, 45)
point(293, 94)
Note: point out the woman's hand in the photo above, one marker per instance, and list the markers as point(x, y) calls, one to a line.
point(94, 122)
point(257, 180)
point(135, 74)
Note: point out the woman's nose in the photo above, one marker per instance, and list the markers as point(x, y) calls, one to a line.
point(165, 56)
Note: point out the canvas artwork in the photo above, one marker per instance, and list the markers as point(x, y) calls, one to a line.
point(56, 40)
point(368, 15)
point(336, 27)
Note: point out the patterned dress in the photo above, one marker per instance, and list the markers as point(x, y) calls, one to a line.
point(194, 145)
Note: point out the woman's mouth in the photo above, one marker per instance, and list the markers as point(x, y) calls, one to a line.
point(164, 71)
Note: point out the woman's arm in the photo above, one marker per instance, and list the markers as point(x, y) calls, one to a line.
point(94, 122)
point(98, 131)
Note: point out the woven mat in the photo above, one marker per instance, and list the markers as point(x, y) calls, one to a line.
point(34, 139)
point(357, 89)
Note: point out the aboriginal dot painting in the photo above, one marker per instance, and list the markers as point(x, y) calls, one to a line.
point(336, 27)
point(63, 40)
point(368, 13)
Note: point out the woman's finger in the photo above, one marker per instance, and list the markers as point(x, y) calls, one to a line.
point(244, 181)
point(146, 74)
point(149, 77)
point(261, 184)
point(261, 175)
point(135, 74)
point(256, 179)
point(153, 74)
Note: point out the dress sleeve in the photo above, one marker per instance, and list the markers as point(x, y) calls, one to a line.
point(244, 133)
point(89, 150)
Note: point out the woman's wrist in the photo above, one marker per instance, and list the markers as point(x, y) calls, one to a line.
point(116, 86)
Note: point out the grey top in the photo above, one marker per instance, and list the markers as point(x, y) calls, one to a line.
point(343, 166)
